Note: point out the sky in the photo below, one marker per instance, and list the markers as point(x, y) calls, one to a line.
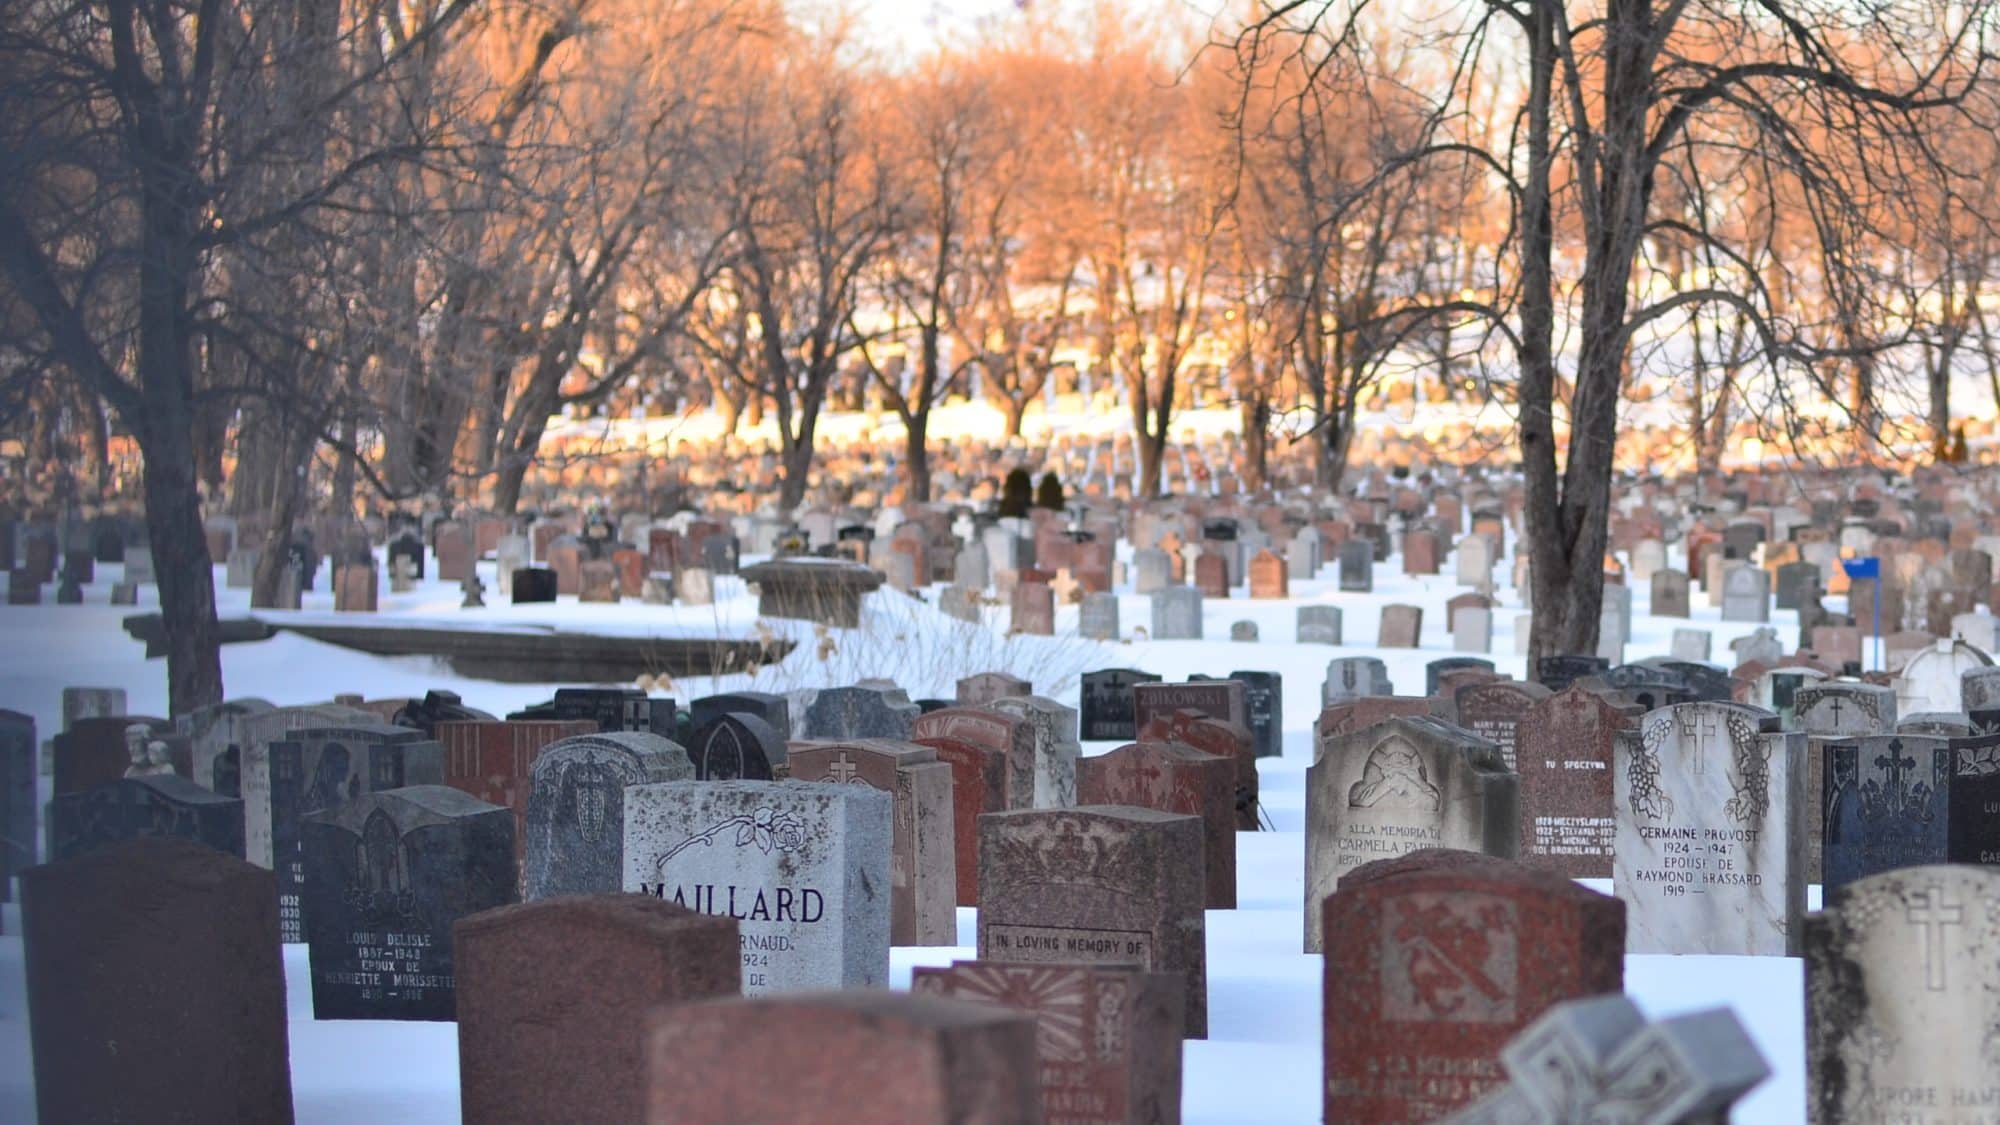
point(905, 27)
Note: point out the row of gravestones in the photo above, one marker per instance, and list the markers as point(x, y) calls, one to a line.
point(1457, 986)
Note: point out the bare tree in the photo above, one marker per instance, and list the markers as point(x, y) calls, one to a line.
point(1609, 103)
point(132, 130)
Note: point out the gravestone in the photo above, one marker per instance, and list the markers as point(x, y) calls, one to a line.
point(1097, 620)
point(1670, 594)
point(1746, 594)
point(155, 987)
point(1268, 577)
point(768, 706)
point(1434, 960)
point(553, 996)
point(1558, 672)
point(1494, 711)
point(1400, 785)
point(985, 687)
point(1100, 884)
point(840, 714)
point(923, 869)
point(1107, 712)
point(1354, 677)
point(1472, 630)
point(1174, 778)
point(1357, 566)
point(737, 746)
point(873, 1056)
point(1152, 570)
point(1402, 626)
point(494, 761)
point(1710, 850)
point(80, 703)
point(574, 822)
point(93, 752)
point(1886, 800)
point(135, 807)
point(1690, 644)
point(18, 781)
point(1902, 975)
point(1108, 1036)
point(1008, 733)
point(318, 769)
point(1795, 581)
point(978, 783)
point(1566, 748)
point(1034, 609)
point(530, 585)
point(1264, 704)
point(1318, 625)
point(387, 875)
point(1177, 614)
point(1598, 1060)
point(1243, 632)
point(1055, 748)
point(803, 868)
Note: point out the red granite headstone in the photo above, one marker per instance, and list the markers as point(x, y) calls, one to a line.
point(156, 987)
point(1108, 1036)
point(1211, 575)
point(1176, 778)
point(1435, 960)
point(978, 786)
point(1034, 609)
point(553, 998)
point(452, 543)
point(356, 587)
point(631, 565)
point(1008, 735)
point(1564, 752)
point(886, 1058)
point(1268, 578)
point(1219, 737)
point(494, 761)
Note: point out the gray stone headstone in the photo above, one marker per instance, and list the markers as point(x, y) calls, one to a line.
point(803, 868)
point(1353, 677)
point(1691, 644)
point(1177, 614)
point(1903, 998)
point(1402, 784)
point(576, 809)
point(1710, 851)
point(1097, 620)
point(839, 714)
point(1746, 594)
point(1152, 570)
point(1056, 746)
point(1319, 625)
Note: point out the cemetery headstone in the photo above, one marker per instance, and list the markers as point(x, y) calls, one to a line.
point(802, 868)
point(923, 869)
point(1096, 885)
point(553, 998)
point(1174, 778)
point(155, 987)
point(387, 875)
point(1400, 785)
point(574, 814)
point(1710, 849)
point(1107, 712)
point(1434, 960)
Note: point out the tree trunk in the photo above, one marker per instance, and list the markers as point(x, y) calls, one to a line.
point(797, 458)
point(916, 457)
point(1015, 407)
point(289, 488)
point(180, 558)
point(1334, 438)
point(1256, 441)
point(1152, 455)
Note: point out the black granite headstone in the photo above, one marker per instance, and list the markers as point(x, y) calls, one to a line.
point(612, 709)
point(1436, 669)
point(132, 807)
point(1887, 802)
point(534, 584)
point(771, 707)
point(1108, 713)
point(1558, 672)
point(736, 747)
point(386, 876)
point(1974, 803)
point(859, 712)
point(438, 707)
point(17, 798)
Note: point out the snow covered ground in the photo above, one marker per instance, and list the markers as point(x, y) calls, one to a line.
point(1262, 1060)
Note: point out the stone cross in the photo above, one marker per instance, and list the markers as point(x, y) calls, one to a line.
point(1065, 586)
point(843, 769)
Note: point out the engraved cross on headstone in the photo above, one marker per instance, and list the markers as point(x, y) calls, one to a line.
point(843, 769)
point(1835, 702)
point(1696, 730)
point(1895, 761)
point(1932, 913)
